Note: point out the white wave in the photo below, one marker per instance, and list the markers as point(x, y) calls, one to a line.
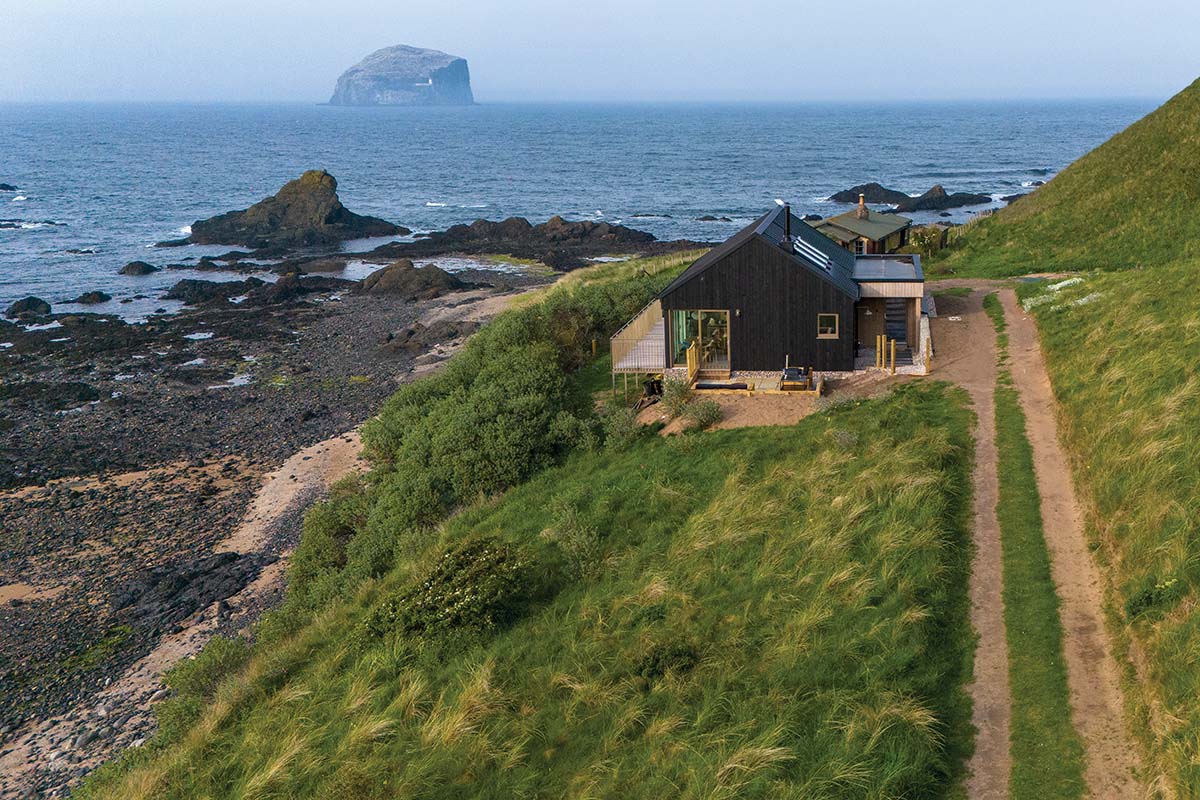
point(199, 335)
point(431, 204)
point(186, 230)
point(195, 362)
point(6, 345)
point(475, 205)
point(19, 198)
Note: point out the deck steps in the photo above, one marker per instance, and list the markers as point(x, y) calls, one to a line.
point(895, 319)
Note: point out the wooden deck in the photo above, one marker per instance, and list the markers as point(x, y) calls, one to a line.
point(641, 346)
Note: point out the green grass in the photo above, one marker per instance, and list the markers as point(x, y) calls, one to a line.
point(1047, 754)
point(1122, 349)
point(765, 612)
point(1131, 202)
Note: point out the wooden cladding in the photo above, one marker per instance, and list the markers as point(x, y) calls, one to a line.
point(773, 304)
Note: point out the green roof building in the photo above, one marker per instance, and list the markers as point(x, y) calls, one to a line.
point(866, 232)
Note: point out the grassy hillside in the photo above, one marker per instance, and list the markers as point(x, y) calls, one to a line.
point(1123, 349)
point(544, 605)
point(1133, 201)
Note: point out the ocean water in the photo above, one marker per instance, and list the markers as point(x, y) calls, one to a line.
point(107, 181)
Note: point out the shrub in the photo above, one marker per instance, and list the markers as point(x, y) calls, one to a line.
point(620, 426)
point(677, 393)
point(661, 659)
point(703, 414)
point(578, 540)
point(475, 586)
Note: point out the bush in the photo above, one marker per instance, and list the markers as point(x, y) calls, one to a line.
point(620, 426)
point(578, 540)
point(677, 393)
point(661, 659)
point(703, 414)
point(475, 586)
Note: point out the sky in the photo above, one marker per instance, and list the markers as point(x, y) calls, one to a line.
point(611, 51)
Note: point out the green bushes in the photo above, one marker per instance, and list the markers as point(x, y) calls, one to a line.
point(677, 393)
point(703, 414)
point(474, 587)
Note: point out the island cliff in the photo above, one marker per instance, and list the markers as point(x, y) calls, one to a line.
point(405, 76)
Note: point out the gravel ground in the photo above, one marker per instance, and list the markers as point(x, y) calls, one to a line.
point(127, 452)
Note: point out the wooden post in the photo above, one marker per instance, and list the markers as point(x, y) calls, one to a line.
point(928, 357)
point(593, 348)
point(893, 356)
point(878, 345)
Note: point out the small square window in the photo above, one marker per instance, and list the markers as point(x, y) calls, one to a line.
point(827, 326)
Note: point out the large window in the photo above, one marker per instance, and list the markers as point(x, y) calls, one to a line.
point(827, 326)
point(685, 329)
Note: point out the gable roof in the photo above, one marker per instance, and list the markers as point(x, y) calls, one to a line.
point(811, 250)
point(876, 227)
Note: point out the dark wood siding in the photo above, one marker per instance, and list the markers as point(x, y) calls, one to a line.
point(773, 304)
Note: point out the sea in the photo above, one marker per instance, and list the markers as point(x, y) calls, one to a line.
point(99, 184)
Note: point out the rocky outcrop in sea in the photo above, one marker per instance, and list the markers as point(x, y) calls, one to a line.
point(306, 212)
point(937, 199)
point(405, 76)
point(872, 193)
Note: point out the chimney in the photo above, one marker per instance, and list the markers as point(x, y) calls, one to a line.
point(861, 212)
point(787, 223)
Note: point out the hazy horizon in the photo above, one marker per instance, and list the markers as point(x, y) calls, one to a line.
point(537, 51)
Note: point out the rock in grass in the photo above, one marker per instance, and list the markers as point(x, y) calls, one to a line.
point(305, 212)
point(138, 268)
point(29, 306)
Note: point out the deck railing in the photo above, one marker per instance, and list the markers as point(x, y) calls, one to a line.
point(634, 349)
point(693, 361)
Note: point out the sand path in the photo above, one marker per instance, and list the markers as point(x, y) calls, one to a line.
point(1092, 672)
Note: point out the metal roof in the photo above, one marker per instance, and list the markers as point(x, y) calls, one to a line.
point(812, 250)
point(876, 227)
point(877, 269)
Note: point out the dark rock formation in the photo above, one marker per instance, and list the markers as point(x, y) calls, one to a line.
point(418, 337)
point(7, 187)
point(555, 242)
point(405, 76)
point(292, 289)
point(91, 298)
point(711, 218)
point(872, 193)
point(195, 292)
point(29, 306)
point(936, 199)
point(411, 283)
point(1012, 198)
point(305, 212)
point(169, 595)
point(138, 268)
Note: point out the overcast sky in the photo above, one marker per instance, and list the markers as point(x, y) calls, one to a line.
point(752, 50)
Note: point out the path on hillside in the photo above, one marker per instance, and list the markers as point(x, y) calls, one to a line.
point(1092, 673)
point(966, 354)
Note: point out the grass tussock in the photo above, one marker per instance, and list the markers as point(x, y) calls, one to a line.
point(770, 613)
point(1131, 202)
point(1123, 351)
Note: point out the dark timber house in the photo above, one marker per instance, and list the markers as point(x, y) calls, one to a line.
point(777, 292)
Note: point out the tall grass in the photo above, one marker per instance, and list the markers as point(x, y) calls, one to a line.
point(1123, 351)
point(1047, 754)
point(772, 612)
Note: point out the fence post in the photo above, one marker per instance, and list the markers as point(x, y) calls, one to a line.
point(928, 357)
point(593, 348)
point(893, 356)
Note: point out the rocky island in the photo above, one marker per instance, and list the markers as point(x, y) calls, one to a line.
point(405, 76)
point(306, 212)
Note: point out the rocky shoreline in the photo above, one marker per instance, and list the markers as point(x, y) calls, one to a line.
point(132, 452)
